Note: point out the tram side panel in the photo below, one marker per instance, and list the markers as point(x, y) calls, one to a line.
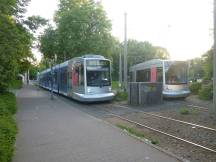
point(63, 80)
point(55, 80)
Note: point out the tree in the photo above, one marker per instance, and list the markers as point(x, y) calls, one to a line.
point(82, 28)
point(35, 22)
point(202, 67)
point(196, 70)
point(142, 51)
point(15, 44)
point(114, 57)
point(49, 43)
point(15, 39)
point(208, 64)
point(161, 52)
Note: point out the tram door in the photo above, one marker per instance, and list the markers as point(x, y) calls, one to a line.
point(153, 74)
point(78, 77)
point(156, 75)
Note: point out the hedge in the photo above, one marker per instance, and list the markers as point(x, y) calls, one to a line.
point(206, 92)
point(8, 129)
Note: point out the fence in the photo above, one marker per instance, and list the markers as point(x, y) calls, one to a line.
point(141, 93)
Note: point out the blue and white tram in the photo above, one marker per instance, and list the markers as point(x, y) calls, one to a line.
point(173, 75)
point(86, 78)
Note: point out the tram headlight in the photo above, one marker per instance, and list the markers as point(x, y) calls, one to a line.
point(110, 89)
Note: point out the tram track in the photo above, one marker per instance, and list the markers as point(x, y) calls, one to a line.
point(161, 132)
point(169, 118)
point(198, 107)
point(198, 147)
point(173, 129)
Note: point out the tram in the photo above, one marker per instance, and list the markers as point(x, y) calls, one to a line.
point(86, 78)
point(172, 74)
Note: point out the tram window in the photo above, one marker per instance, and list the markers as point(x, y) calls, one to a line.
point(98, 73)
point(159, 75)
point(143, 75)
point(55, 77)
point(81, 74)
point(78, 75)
point(69, 80)
point(176, 73)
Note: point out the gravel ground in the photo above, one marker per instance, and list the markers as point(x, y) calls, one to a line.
point(196, 135)
point(171, 108)
point(193, 99)
point(197, 116)
point(181, 149)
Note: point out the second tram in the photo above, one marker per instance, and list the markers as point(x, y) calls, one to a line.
point(172, 74)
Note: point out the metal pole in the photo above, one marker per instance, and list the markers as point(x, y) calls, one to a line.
point(125, 54)
point(120, 70)
point(28, 77)
point(214, 60)
point(52, 81)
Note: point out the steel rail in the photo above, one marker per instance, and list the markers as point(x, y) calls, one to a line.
point(199, 107)
point(161, 132)
point(168, 118)
point(192, 105)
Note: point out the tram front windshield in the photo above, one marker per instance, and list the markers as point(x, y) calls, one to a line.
point(176, 72)
point(98, 73)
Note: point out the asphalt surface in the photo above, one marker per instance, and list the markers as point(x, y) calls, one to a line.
point(56, 131)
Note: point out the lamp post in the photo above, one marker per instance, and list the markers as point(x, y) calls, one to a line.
point(125, 55)
point(51, 63)
point(120, 69)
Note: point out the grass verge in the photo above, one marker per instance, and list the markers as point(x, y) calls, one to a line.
point(184, 111)
point(8, 129)
point(135, 132)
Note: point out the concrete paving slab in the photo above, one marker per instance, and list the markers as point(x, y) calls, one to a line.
point(54, 131)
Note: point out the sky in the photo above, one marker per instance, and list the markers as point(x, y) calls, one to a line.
point(183, 27)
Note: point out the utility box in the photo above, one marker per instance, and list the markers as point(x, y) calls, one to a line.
point(142, 93)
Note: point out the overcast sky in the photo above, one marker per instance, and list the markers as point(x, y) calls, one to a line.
point(184, 27)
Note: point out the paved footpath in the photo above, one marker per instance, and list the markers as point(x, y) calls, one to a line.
point(54, 131)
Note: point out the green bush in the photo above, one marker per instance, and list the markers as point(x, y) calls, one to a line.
point(184, 111)
point(8, 127)
point(206, 92)
point(195, 87)
point(8, 132)
point(7, 104)
point(121, 96)
point(155, 141)
point(115, 85)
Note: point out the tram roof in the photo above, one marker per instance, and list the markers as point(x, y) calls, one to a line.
point(93, 56)
point(149, 63)
point(87, 56)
